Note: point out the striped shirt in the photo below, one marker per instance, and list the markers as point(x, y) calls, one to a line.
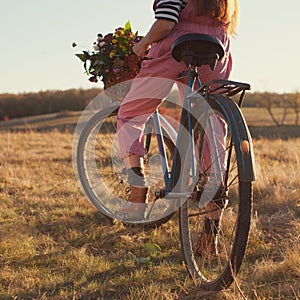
point(169, 10)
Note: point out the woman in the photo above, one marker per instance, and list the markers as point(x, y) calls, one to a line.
point(173, 19)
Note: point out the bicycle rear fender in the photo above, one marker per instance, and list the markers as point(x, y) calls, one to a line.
point(241, 137)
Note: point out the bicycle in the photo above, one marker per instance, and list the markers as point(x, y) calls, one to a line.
point(194, 169)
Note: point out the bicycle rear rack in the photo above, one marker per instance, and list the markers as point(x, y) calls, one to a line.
point(227, 87)
point(224, 87)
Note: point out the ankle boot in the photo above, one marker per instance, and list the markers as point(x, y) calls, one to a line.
point(206, 245)
point(135, 208)
point(138, 194)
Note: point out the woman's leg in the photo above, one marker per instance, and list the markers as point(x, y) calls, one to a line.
point(135, 172)
point(147, 91)
point(132, 117)
point(213, 189)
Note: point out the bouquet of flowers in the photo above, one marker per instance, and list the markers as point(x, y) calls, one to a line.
point(112, 61)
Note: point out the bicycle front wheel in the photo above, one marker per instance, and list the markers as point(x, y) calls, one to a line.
point(214, 255)
point(102, 174)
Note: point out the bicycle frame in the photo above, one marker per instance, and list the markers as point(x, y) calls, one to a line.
point(247, 173)
point(193, 78)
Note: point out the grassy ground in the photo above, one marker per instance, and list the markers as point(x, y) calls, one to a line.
point(55, 245)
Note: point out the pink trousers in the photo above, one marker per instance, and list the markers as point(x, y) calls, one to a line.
point(155, 80)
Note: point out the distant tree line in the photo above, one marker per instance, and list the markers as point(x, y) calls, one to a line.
point(288, 102)
point(46, 102)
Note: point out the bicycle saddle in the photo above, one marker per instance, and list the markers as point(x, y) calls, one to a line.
point(197, 50)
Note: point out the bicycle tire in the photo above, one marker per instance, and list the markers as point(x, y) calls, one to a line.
point(217, 272)
point(101, 173)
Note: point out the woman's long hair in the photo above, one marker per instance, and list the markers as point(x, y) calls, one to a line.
point(226, 11)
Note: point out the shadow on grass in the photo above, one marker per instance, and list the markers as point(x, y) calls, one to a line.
point(100, 238)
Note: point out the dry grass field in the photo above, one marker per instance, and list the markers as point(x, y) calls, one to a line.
point(55, 245)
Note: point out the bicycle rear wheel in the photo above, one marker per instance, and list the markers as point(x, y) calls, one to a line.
point(216, 271)
point(102, 174)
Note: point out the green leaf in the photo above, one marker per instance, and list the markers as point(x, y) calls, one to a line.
point(127, 26)
point(81, 56)
point(144, 260)
point(153, 248)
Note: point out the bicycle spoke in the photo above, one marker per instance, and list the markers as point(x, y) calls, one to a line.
point(102, 173)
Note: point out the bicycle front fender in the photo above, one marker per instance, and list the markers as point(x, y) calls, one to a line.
point(241, 137)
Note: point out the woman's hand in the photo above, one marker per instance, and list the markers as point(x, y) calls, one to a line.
point(141, 48)
point(160, 29)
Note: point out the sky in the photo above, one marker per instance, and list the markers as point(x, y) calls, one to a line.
point(36, 37)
